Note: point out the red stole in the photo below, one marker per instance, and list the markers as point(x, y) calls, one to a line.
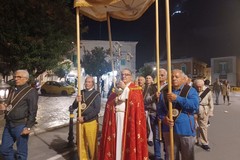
point(136, 147)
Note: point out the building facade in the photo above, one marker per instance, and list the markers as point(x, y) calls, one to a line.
point(226, 68)
point(192, 67)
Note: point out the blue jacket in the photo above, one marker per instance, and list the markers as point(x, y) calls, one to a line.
point(184, 124)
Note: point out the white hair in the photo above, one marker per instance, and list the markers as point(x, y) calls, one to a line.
point(198, 82)
point(24, 72)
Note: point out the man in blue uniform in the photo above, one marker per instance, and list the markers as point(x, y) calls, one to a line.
point(185, 103)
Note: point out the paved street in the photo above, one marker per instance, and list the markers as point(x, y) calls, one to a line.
point(50, 138)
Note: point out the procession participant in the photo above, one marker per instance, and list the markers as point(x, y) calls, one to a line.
point(149, 105)
point(124, 128)
point(205, 111)
point(185, 103)
point(91, 104)
point(141, 82)
point(20, 115)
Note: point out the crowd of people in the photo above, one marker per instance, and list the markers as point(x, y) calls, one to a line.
point(136, 116)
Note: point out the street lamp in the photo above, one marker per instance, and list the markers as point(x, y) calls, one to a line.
point(4, 91)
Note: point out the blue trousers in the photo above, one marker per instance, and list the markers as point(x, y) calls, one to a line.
point(10, 136)
point(157, 144)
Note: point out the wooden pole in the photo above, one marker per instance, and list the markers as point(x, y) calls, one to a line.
point(79, 81)
point(158, 62)
point(168, 41)
point(110, 47)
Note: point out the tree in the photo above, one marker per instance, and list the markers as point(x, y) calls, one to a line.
point(62, 69)
point(35, 35)
point(95, 63)
point(146, 70)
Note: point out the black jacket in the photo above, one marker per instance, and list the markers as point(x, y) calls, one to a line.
point(25, 111)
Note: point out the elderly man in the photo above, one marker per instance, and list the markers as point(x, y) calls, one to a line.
point(20, 115)
point(149, 97)
point(124, 125)
point(91, 104)
point(205, 110)
point(141, 82)
point(185, 102)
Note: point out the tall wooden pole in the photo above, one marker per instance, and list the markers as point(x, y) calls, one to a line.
point(158, 62)
point(168, 41)
point(110, 47)
point(79, 81)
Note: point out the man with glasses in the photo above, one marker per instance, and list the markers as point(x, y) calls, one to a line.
point(124, 125)
point(20, 114)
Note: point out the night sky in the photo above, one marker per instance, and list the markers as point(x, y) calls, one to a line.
point(199, 28)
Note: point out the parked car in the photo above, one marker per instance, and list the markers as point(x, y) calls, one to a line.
point(53, 87)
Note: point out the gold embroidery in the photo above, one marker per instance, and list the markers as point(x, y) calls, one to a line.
point(138, 135)
point(110, 123)
point(139, 122)
point(109, 138)
point(135, 150)
point(114, 135)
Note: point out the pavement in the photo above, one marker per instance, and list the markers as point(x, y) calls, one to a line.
point(52, 113)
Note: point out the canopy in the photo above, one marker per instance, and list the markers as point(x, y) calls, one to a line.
point(127, 10)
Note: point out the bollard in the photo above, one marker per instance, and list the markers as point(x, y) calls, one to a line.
point(70, 133)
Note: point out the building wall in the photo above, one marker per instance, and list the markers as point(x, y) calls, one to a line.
point(190, 66)
point(226, 68)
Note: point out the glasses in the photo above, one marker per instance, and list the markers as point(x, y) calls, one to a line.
point(18, 77)
point(162, 75)
point(126, 74)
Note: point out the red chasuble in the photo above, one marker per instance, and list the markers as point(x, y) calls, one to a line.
point(134, 134)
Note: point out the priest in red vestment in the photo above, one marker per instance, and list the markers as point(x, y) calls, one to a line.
point(124, 124)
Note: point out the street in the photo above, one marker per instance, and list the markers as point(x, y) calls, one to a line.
point(50, 138)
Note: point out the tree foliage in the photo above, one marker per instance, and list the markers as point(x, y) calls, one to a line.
point(34, 35)
point(95, 63)
point(62, 69)
point(145, 71)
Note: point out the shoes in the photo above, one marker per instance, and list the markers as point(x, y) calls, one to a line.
point(150, 143)
point(206, 147)
point(229, 103)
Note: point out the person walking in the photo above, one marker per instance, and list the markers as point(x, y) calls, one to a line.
point(205, 111)
point(226, 91)
point(217, 90)
point(91, 103)
point(185, 102)
point(20, 114)
point(124, 134)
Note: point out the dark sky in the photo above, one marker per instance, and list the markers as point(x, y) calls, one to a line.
point(199, 28)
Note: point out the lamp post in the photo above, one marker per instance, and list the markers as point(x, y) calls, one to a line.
point(4, 91)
